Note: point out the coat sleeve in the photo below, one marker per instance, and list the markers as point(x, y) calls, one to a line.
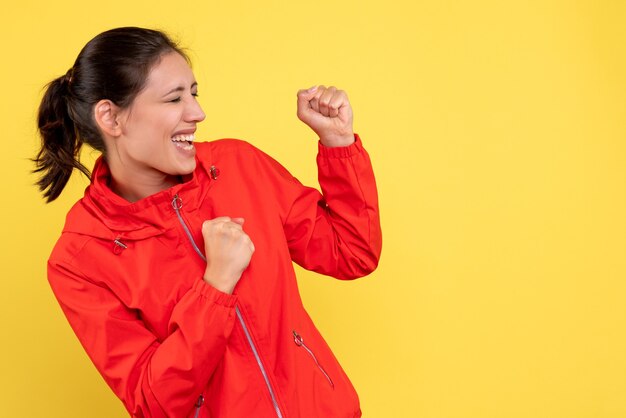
point(336, 232)
point(152, 378)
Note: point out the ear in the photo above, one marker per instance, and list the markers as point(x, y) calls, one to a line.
point(107, 116)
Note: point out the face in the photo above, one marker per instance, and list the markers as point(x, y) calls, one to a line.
point(158, 128)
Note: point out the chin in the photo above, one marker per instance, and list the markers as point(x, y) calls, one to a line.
point(187, 169)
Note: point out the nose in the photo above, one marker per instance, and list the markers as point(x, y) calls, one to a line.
point(194, 112)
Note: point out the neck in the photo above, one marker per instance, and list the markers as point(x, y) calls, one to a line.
point(140, 185)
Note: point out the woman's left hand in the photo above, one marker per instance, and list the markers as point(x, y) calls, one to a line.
point(327, 111)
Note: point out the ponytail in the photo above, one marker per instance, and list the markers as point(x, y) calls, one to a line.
point(60, 148)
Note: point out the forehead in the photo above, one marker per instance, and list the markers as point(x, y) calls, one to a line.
point(171, 70)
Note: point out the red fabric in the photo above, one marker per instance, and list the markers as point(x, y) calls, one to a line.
point(161, 337)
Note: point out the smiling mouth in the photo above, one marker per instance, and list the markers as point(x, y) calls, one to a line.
point(184, 142)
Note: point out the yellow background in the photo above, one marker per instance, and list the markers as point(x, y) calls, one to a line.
point(497, 131)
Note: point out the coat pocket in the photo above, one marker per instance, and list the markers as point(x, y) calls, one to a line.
point(299, 341)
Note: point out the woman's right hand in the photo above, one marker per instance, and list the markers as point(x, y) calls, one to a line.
point(228, 251)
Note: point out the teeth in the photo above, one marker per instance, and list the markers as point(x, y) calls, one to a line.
point(184, 138)
point(188, 146)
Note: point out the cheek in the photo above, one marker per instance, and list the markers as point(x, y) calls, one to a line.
point(150, 128)
point(165, 125)
point(151, 132)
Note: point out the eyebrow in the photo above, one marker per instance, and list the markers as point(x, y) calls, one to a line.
point(180, 88)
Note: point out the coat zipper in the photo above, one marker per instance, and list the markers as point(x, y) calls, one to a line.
point(177, 204)
point(300, 343)
point(199, 403)
point(258, 360)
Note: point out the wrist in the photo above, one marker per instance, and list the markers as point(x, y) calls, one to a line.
point(337, 141)
point(224, 286)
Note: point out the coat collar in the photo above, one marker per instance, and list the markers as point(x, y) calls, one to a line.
point(104, 214)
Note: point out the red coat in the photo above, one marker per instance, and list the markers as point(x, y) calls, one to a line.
point(128, 276)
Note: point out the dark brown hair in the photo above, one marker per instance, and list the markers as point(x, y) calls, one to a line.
point(114, 65)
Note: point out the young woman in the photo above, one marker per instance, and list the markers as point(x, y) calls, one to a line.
point(175, 268)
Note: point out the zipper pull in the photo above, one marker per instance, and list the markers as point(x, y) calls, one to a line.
point(215, 172)
point(177, 203)
point(118, 246)
point(198, 404)
point(298, 339)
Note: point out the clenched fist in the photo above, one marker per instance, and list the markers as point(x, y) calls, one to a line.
point(328, 112)
point(228, 251)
